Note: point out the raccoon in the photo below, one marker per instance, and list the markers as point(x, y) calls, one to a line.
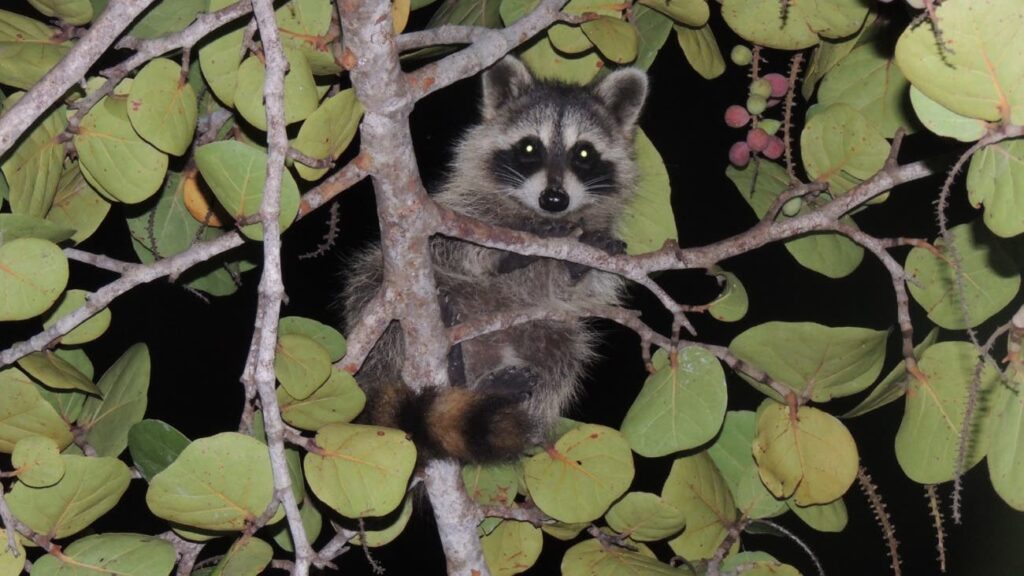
point(547, 158)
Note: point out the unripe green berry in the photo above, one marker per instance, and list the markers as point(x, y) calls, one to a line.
point(741, 55)
point(769, 125)
point(761, 87)
point(756, 104)
point(792, 206)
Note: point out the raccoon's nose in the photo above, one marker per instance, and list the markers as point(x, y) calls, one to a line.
point(554, 199)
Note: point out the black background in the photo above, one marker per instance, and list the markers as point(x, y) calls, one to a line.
point(198, 348)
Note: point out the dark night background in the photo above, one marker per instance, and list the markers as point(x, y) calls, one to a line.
point(198, 348)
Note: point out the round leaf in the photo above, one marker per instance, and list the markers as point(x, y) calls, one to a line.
point(300, 95)
point(1006, 454)
point(696, 488)
point(121, 554)
point(681, 406)
point(77, 206)
point(821, 361)
point(162, 106)
point(513, 547)
point(220, 57)
point(236, 173)
point(894, 384)
point(808, 454)
point(831, 517)
point(328, 131)
point(11, 561)
point(587, 469)
point(247, 557)
point(222, 482)
point(644, 517)
point(616, 39)
point(89, 330)
point(14, 226)
point(362, 471)
point(544, 62)
point(943, 121)
point(591, 557)
point(312, 522)
point(394, 524)
point(701, 50)
point(732, 455)
point(304, 25)
point(164, 18)
point(55, 372)
point(23, 413)
point(33, 167)
point(89, 489)
point(841, 148)
point(301, 365)
point(996, 179)
point(124, 388)
point(337, 400)
point(648, 220)
point(928, 441)
point(33, 274)
point(114, 158)
point(154, 445)
point(322, 334)
point(990, 278)
point(492, 483)
point(982, 75)
point(869, 82)
point(689, 12)
point(74, 12)
point(37, 461)
point(653, 28)
point(796, 27)
point(756, 564)
point(731, 305)
point(30, 49)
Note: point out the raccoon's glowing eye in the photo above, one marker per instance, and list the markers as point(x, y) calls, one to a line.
point(529, 150)
point(583, 155)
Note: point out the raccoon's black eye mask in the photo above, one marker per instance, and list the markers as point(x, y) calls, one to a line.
point(529, 151)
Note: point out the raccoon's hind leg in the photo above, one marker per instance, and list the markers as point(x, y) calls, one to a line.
point(450, 317)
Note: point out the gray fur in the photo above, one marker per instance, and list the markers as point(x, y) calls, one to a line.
point(514, 107)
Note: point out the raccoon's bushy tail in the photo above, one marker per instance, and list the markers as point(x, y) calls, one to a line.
point(472, 425)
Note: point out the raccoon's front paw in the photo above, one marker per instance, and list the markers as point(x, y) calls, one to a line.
point(510, 262)
point(513, 382)
point(552, 228)
point(603, 241)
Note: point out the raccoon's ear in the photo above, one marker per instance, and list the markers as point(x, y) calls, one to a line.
point(503, 82)
point(624, 91)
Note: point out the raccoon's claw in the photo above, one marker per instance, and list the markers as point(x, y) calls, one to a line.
point(514, 382)
point(510, 262)
point(604, 241)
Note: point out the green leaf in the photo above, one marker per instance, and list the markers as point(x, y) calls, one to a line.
point(820, 361)
point(162, 106)
point(701, 50)
point(491, 484)
point(197, 490)
point(828, 54)
point(89, 489)
point(841, 148)
point(733, 458)
point(996, 179)
point(990, 278)
point(363, 470)
point(54, 372)
point(312, 522)
point(831, 517)
point(248, 556)
point(392, 526)
point(693, 13)
point(236, 173)
point(124, 387)
point(644, 517)
point(33, 274)
point(591, 557)
point(304, 26)
point(832, 255)
point(893, 386)
point(33, 167)
point(756, 564)
point(220, 56)
point(472, 12)
point(166, 17)
point(291, 457)
point(87, 331)
point(695, 488)
point(74, 12)
point(14, 226)
point(120, 554)
point(76, 205)
point(576, 480)
point(113, 158)
point(980, 76)
point(653, 29)
point(943, 121)
point(928, 441)
point(322, 334)
point(681, 406)
point(24, 412)
point(300, 95)
point(328, 131)
point(301, 365)
point(808, 454)
point(11, 561)
point(1006, 453)
point(732, 304)
point(648, 221)
point(338, 400)
point(154, 445)
point(798, 26)
point(616, 39)
point(513, 547)
point(37, 461)
point(28, 50)
point(868, 81)
point(546, 63)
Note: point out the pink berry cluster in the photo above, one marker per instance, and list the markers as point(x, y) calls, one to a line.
point(765, 92)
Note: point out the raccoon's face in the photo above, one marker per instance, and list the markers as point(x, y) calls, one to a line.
point(558, 149)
